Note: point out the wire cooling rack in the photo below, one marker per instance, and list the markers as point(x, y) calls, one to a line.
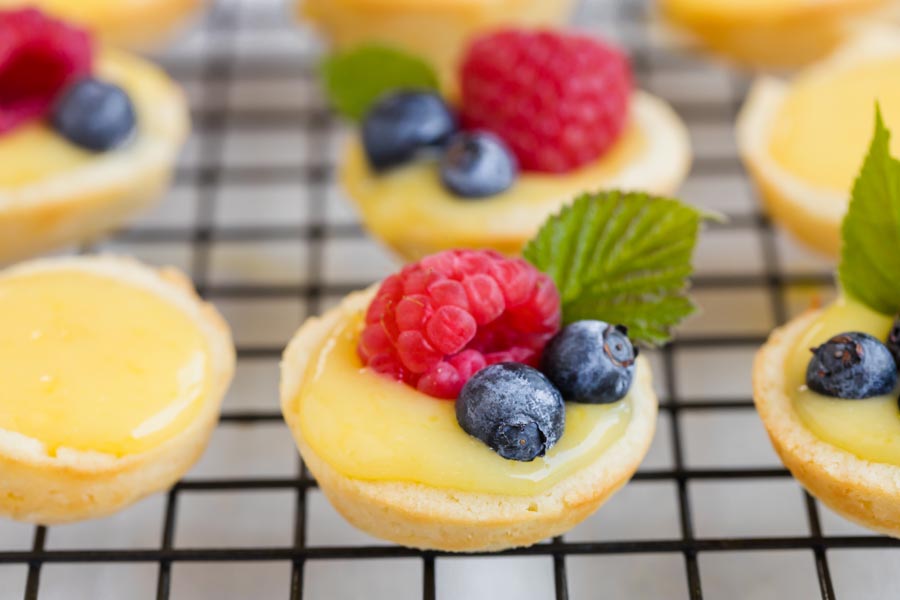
point(256, 218)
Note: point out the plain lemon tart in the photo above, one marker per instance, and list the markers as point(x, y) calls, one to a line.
point(135, 24)
point(436, 30)
point(113, 377)
point(89, 151)
point(802, 139)
point(542, 117)
point(771, 33)
point(474, 401)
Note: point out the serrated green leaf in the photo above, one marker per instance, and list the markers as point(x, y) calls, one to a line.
point(621, 257)
point(354, 79)
point(870, 255)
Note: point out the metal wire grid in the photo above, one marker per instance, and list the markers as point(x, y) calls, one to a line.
point(218, 68)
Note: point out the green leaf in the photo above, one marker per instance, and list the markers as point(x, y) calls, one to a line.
point(870, 255)
point(621, 257)
point(354, 79)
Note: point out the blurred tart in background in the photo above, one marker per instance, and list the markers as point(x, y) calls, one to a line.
point(542, 117)
point(802, 139)
point(136, 24)
point(436, 30)
point(771, 34)
point(88, 135)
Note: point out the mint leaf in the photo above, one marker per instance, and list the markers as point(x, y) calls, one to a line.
point(870, 255)
point(623, 258)
point(354, 79)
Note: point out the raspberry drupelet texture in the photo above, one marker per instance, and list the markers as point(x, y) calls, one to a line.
point(558, 100)
point(39, 57)
point(441, 320)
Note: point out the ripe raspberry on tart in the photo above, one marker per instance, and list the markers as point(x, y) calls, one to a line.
point(438, 321)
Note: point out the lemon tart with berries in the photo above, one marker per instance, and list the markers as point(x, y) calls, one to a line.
point(771, 34)
point(124, 23)
point(436, 30)
point(543, 116)
point(825, 384)
point(446, 407)
point(801, 139)
point(113, 377)
point(84, 146)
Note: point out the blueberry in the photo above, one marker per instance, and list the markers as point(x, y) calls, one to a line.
point(401, 124)
point(477, 164)
point(513, 409)
point(94, 115)
point(852, 365)
point(590, 361)
point(893, 340)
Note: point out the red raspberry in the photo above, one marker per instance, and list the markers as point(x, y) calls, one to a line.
point(559, 101)
point(441, 320)
point(39, 56)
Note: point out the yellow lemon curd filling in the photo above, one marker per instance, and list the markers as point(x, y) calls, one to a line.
point(94, 364)
point(35, 152)
point(868, 428)
point(410, 205)
point(824, 125)
point(371, 428)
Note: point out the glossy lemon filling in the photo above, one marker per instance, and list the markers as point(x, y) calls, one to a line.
point(35, 152)
point(371, 428)
point(824, 125)
point(410, 200)
point(93, 364)
point(868, 428)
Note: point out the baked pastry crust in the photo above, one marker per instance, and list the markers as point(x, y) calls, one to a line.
point(92, 198)
point(767, 36)
point(660, 168)
point(74, 485)
point(422, 516)
point(812, 214)
point(865, 492)
point(136, 24)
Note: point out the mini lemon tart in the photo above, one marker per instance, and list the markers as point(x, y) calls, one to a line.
point(113, 377)
point(436, 30)
point(54, 192)
point(542, 116)
point(845, 452)
point(826, 384)
point(412, 213)
point(771, 33)
point(476, 402)
point(393, 461)
point(135, 24)
point(802, 140)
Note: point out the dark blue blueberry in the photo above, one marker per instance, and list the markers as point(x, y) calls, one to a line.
point(401, 124)
point(852, 365)
point(513, 409)
point(477, 164)
point(94, 115)
point(893, 340)
point(590, 361)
